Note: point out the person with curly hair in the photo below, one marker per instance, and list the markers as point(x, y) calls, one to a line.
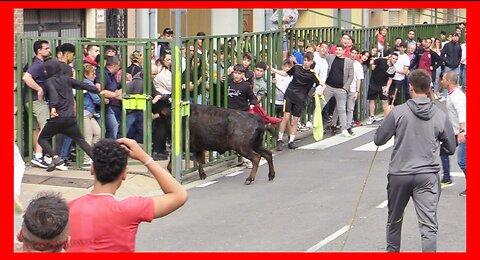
point(99, 222)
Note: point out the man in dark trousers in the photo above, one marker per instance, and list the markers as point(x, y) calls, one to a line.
point(421, 129)
point(62, 115)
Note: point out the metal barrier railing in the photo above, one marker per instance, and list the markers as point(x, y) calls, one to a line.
point(205, 72)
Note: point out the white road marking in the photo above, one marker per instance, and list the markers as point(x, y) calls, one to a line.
point(338, 139)
point(262, 162)
point(206, 184)
point(382, 205)
point(457, 174)
point(371, 147)
point(234, 174)
point(328, 239)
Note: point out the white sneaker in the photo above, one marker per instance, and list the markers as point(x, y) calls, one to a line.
point(436, 96)
point(62, 167)
point(442, 99)
point(370, 120)
point(345, 133)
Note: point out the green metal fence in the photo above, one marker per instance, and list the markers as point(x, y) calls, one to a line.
point(210, 64)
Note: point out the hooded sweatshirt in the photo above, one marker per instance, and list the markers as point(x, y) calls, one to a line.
point(59, 89)
point(419, 127)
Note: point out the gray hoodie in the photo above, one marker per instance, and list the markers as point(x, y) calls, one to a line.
point(419, 127)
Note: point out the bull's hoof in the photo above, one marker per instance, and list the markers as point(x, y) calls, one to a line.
point(270, 178)
point(203, 176)
point(249, 180)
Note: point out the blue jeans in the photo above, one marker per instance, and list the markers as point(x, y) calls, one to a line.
point(134, 123)
point(462, 156)
point(117, 111)
point(463, 75)
point(111, 124)
point(445, 165)
point(65, 151)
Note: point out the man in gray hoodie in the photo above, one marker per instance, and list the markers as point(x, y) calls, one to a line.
point(421, 129)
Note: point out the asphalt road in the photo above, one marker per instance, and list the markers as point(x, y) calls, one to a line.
point(308, 206)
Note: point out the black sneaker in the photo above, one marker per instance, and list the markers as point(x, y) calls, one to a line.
point(350, 131)
point(279, 145)
point(56, 161)
point(292, 145)
point(160, 156)
point(39, 162)
point(333, 129)
point(463, 193)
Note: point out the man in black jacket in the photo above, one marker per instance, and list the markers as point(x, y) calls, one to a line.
point(452, 51)
point(62, 114)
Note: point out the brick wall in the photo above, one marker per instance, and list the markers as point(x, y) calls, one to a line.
point(18, 25)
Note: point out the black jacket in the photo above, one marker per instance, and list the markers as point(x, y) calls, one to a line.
point(59, 89)
point(452, 53)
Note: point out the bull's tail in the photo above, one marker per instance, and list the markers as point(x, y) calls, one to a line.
point(272, 131)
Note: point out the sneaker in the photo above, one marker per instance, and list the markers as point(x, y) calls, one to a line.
point(463, 193)
point(333, 129)
point(350, 131)
point(292, 145)
point(442, 99)
point(39, 162)
point(160, 156)
point(56, 161)
point(445, 184)
point(436, 96)
point(87, 162)
point(62, 167)
point(279, 145)
point(345, 133)
point(370, 120)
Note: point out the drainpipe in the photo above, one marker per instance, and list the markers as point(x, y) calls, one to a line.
point(152, 15)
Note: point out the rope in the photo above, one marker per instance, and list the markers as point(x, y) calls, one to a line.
point(363, 187)
point(358, 202)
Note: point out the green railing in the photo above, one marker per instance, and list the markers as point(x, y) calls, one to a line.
point(206, 76)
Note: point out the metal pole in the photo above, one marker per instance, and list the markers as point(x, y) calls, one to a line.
point(176, 112)
point(240, 39)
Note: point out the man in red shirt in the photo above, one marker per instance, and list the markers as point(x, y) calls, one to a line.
point(427, 59)
point(101, 223)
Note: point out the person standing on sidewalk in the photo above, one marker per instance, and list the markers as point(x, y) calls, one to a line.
point(303, 78)
point(421, 129)
point(62, 116)
point(457, 113)
point(101, 223)
point(34, 79)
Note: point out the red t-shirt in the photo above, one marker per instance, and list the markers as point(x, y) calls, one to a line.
point(425, 62)
point(99, 222)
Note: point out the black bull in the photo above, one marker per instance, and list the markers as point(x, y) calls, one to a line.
point(219, 129)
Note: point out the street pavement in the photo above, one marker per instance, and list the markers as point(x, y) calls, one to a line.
point(308, 207)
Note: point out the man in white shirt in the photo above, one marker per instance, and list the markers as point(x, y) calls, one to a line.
point(463, 65)
point(401, 66)
point(457, 113)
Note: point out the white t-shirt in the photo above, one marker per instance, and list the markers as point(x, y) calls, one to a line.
point(357, 74)
point(403, 61)
point(457, 109)
point(282, 85)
